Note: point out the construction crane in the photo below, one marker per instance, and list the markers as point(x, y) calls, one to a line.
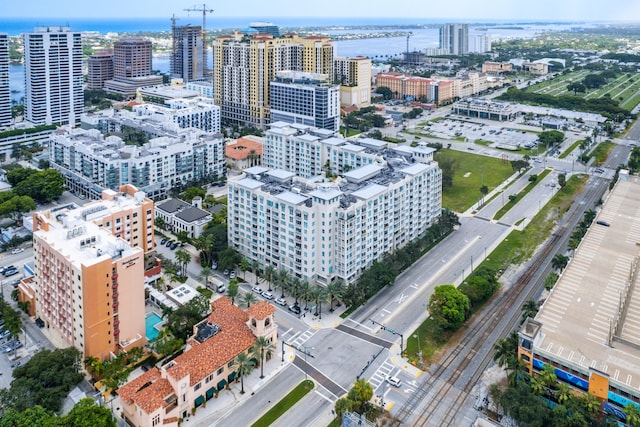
point(204, 9)
point(173, 44)
point(406, 59)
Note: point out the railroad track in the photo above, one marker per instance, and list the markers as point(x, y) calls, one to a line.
point(446, 389)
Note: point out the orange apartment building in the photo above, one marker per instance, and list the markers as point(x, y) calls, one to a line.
point(89, 271)
point(403, 85)
point(161, 396)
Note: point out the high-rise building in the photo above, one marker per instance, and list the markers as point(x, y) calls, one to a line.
point(99, 69)
point(455, 38)
point(53, 76)
point(89, 271)
point(244, 67)
point(132, 66)
point(321, 231)
point(354, 77)
point(189, 55)
point(306, 98)
point(5, 93)
point(480, 43)
point(265, 28)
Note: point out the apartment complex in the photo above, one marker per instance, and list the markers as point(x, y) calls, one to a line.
point(132, 66)
point(480, 43)
point(265, 28)
point(89, 271)
point(403, 85)
point(354, 77)
point(189, 55)
point(323, 231)
point(53, 76)
point(496, 67)
point(91, 161)
point(162, 396)
point(454, 38)
point(588, 328)
point(199, 112)
point(245, 65)
point(305, 98)
point(99, 69)
point(5, 93)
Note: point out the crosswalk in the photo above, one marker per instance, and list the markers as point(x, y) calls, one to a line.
point(381, 373)
point(298, 339)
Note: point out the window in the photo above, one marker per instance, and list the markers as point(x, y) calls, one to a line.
point(156, 420)
point(220, 371)
point(197, 387)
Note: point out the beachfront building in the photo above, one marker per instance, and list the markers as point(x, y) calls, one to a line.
point(89, 269)
point(163, 396)
point(354, 77)
point(305, 98)
point(322, 231)
point(244, 66)
point(588, 328)
point(91, 161)
point(5, 93)
point(454, 38)
point(53, 76)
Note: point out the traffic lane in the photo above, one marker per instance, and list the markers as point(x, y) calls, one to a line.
point(316, 405)
point(535, 200)
point(435, 268)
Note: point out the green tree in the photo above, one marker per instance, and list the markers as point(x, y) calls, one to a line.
point(19, 174)
point(386, 93)
point(182, 236)
point(449, 166)
point(448, 306)
point(632, 414)
point(87, 414)
point(248, 298)
point(360, 394)
point(336, 290)
point(282, 279)
point(243, 366)
point(270, 274)
point(182, 320)
point(506, 355)
point(205, 273)
point(232, 290)
point(559, 261)
point(263, 348)
point(183, 258)
point(484, 190)
point(192, 192)
point(160, 223)
point(41, 186)
point(562, 180)
point(17, 206)
point(529, 309)
point(343, 405)
point(165, 344)
point(35, 416)
point(245, 265)
point(519, 165)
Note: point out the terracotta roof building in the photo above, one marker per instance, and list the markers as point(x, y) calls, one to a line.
point(161, 396)
point(246, 152)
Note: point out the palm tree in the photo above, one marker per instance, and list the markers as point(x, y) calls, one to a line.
point(592, 403)
point(484, 190)
point(243, 366)
point(183, 258)
point(244, 266)
point(232, 290)
point(205, 273)
point(205, 244)
point(506, 354)
point(263, 347)
point(248, 298)
point(160, 223)
point(294, 288)
point(304, 291)
point(335, 290)
point(320, 295)
point(255, 268)
point(563, 393)
point(529, 309)
point(269, 274)
point(559, 262)
point(283, 278)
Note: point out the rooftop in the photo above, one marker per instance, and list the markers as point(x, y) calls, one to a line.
point(597, 291)
point(149, 391)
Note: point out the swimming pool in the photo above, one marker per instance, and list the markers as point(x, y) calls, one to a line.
point(150, 323)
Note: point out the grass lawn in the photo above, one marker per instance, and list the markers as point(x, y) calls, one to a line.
point(601, 152)
point(503, 210)
point(478, 170)
point(393, 140)
point(285, 404)
point(515, 249)
point(571, 148)
point(350, 132)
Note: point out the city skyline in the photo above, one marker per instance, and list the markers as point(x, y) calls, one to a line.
point(571, 10)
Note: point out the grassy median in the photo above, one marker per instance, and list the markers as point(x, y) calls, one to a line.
point(285, 404)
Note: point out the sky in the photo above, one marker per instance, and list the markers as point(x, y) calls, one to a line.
point(470, 10)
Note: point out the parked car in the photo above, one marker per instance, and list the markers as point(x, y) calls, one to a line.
point(11, 272)
point(226, 272)
point(233, 274)
point(393, 381)
point(214, 265)
point(173, 246)
point(295, 309)
point(281, 301)
point(3, 269)
point(221, 288)
point(267, 295)
point(4, 334)
point(17, 251)
point(163, 241)
point(169, 242)
point(257, 289)
point(605, 223)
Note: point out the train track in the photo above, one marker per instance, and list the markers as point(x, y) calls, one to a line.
point(447, 388)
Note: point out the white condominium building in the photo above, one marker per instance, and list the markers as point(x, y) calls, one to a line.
point(90, 161)
point(321, 231)
point(200, 113)
point(5, 95)
point(53, 76)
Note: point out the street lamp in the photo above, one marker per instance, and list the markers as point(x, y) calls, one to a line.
point(417, 337)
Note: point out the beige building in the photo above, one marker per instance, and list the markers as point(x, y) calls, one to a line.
point(496, 67)
point(403, 85)
point(89, 271)
point(537, 68)
point(244, 66)
point(354, 77)
point(99, 69)
point(161, 396)
point(244, 152)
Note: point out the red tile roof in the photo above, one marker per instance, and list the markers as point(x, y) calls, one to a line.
point(261, 310)
point(149, 391)
point(242, 149)
point(234, 337)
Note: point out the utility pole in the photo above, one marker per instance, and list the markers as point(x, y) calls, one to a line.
point(204, 9)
